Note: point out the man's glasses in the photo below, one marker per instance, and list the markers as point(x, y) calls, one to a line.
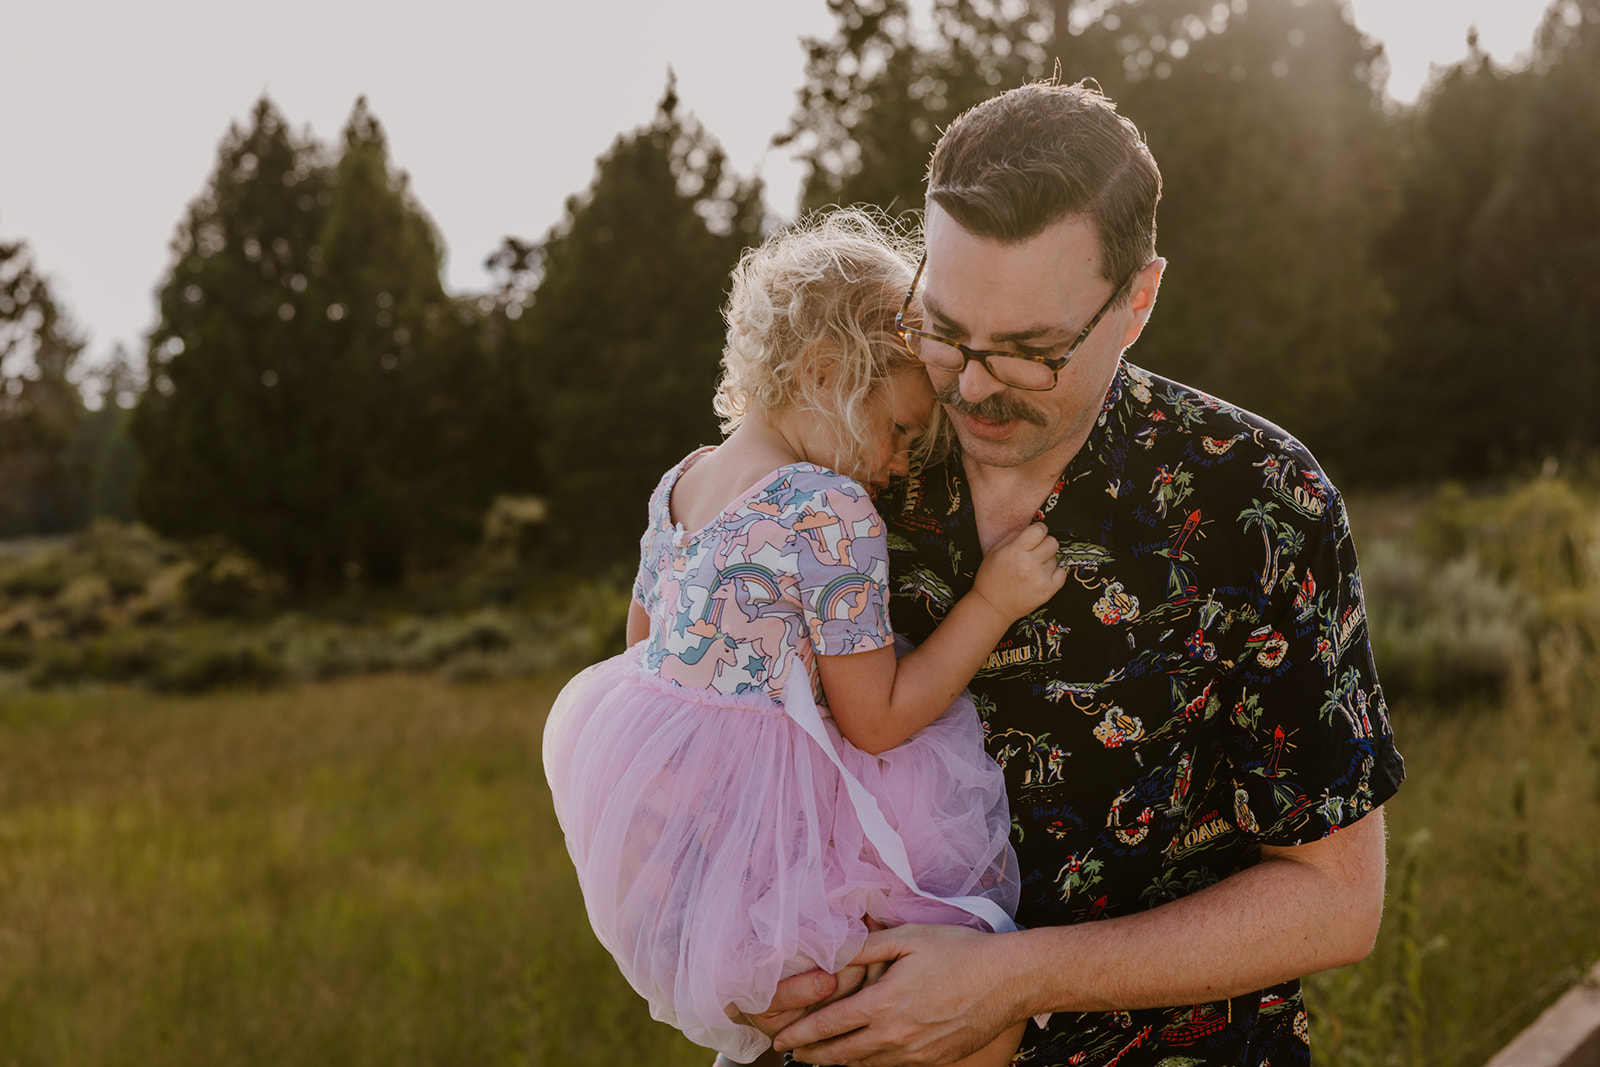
point(1034, 371)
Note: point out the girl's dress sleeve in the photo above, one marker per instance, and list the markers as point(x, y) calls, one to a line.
point(653, 545)
point(842, 564)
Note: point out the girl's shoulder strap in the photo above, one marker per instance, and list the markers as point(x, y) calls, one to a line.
point(661, 496)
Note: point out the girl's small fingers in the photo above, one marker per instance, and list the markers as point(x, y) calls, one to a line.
point(1025, 539)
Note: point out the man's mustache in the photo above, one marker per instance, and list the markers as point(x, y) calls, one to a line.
point(998, 407)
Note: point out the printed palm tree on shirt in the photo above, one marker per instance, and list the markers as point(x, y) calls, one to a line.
point(1169, 886)
point(1342, 697)
point(1170, 488)
point(1276, 538)
point(1044, 632)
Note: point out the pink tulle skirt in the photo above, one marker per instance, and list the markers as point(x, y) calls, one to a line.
point(718, 851)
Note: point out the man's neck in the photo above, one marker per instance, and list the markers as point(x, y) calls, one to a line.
point(1006, 499)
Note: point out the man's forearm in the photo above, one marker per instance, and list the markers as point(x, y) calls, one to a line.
point(950, 990)
point(1299, 911)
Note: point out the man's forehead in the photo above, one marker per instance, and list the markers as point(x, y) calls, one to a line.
point(1068, 249)
point(1018, 287)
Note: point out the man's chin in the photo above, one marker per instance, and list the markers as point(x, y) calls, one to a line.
point(1013, 448)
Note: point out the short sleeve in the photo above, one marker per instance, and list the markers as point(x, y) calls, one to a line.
point(644, 580)
point(1306, 730)
point(654, 545)
point(842, 568)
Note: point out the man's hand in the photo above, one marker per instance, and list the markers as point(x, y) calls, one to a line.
point(944, 997)
point(800, 994)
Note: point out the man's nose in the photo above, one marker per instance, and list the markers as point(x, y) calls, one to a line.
point(977, 383)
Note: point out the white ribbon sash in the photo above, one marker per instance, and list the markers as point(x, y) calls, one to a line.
point(799, 705)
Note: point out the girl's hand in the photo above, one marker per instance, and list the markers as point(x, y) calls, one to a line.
point(1020, 573)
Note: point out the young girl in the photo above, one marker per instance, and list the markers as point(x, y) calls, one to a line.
point(725, 835)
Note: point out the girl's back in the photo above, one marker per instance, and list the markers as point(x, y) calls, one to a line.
point(792, 567)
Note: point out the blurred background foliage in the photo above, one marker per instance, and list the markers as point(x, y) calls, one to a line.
point(1412, 290)
point(325, 469)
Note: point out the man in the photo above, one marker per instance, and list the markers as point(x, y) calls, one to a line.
point(1195, 742)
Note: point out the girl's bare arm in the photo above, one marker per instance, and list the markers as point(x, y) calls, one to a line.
point(878, 702)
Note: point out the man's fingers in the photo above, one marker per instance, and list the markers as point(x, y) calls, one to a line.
point(883, 946)
point(827, 1052)
point(836, 1021)
point(795, 996)
point(771, 1023)
point(819, 1027)
point(801, 991)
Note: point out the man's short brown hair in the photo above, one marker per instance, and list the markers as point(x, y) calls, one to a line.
point(1018, 162)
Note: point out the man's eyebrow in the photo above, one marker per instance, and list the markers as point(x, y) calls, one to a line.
point(946, 322)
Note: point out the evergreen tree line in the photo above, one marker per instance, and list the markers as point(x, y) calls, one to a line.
point(1414, 292)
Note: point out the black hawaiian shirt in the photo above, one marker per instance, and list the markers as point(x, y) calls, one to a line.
point(1201, 686)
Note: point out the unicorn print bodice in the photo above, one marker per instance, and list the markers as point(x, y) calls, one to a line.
point(794, 568)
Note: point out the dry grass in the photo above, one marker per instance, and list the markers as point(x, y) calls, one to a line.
point(1493, 911)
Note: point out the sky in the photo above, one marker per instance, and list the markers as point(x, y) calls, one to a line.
point(497, 109)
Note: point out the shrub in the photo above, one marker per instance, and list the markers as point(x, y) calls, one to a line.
point(226, 583)
point(432, 642)
point(202, 664)
point(1442, 633)
point(1488, 593)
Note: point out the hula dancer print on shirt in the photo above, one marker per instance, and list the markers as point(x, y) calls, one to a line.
point(1201, 686)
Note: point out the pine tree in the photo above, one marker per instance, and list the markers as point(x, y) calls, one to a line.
point(41, 490)
point(876, 96)
point(1277, 167)
point(624, 328)
point(102, 444)
point(232, 366)
point(384, 301)
point(1530, 267)
point(315, 395)
point(1494, 364)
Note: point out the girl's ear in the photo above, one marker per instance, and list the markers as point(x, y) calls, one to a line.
point(821, 361)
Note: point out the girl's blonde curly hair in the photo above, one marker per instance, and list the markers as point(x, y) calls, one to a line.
point(811, 322)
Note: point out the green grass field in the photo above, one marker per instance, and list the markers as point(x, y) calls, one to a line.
point(368, 871)
point(356, 872)
point(1493, 908)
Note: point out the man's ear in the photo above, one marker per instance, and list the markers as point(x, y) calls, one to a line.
point(1143, 300)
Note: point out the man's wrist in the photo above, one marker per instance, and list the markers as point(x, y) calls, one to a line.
point(1038, 972)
